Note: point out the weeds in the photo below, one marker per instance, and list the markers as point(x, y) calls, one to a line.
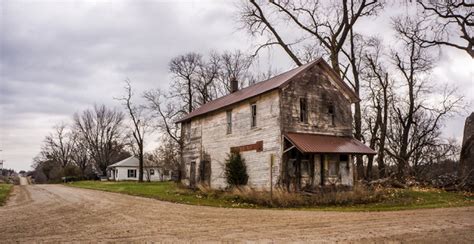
point(285, 199)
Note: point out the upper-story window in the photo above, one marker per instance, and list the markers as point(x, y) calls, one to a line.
point(253, 111)
point(187, 130)
point(332, 113)
point(303, 110)
point(229, 121)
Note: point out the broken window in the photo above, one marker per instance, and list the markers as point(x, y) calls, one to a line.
point(332, 113)
point(229, 122)
point(303, 110)
point(344, 160)
point(253, 109)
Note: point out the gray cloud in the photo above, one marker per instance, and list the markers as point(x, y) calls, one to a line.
point(58, 58)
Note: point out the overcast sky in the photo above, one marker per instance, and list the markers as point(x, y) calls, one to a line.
point(60, 57)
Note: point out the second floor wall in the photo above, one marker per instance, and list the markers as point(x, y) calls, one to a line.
point(312, 103)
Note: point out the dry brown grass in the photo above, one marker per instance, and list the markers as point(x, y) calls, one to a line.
point(285, 199)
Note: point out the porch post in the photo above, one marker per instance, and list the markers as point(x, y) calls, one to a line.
point(323, 177)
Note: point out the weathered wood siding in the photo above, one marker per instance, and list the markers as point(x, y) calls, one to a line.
point(206, 137)
point(319, 91)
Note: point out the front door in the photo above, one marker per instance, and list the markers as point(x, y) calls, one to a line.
point(192, 175)
point(205, 173)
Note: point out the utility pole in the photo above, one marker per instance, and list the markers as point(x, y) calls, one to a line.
point(271, 177)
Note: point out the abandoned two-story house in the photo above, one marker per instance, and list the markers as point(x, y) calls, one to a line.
point(293, 130)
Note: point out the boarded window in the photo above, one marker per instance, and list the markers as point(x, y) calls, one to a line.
point(253, 109)
point(132, 173)
point(229, 122)
point(332, 113)
point(303, 110)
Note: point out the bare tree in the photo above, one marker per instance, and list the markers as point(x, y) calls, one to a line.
point(138, 127)
point(166, 111)
point(101, 129)
point(166, 157)
point(444, 19)
point(200, 79)
point(205, 83)
point(234, 65)
point(328, 24)
point(184, 69)
point(58, 146)
point(380, 93)
point(80, 153)
point(415, 123)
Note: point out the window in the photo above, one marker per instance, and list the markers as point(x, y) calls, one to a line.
point(344, 160)
point(229, 122)
point(305, 169)
point(187, 130)
point(253, 110)
point(303, 110)
point(152, 172)
point(332, 165)
point(333, 168)
point(332, 113)
point(132, 173)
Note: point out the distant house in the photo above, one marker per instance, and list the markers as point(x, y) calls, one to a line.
point(293, 130)
point(127, 169)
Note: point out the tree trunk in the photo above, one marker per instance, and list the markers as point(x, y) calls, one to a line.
point(370, 162)
point(140, 163)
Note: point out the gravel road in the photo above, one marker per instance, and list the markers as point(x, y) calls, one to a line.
point(52, 213)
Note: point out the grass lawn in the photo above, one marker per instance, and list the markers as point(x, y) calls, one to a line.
point(4, 192)
point(166, 191)
point(397, 199)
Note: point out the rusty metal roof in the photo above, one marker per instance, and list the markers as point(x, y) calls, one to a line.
point(262, 87)
point(314, 143)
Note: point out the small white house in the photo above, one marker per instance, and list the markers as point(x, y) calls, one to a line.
point(127, 169)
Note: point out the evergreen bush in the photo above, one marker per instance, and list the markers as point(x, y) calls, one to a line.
point(236, 170)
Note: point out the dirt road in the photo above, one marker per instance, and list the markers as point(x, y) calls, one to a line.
point(23, 181)
point(60, 213)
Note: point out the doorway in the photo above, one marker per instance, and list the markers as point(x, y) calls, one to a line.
point(205, 172)
point(192, 174)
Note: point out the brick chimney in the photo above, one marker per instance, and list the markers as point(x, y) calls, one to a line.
point(234, 85)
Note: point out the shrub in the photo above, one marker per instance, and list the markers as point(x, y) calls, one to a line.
point(236, 170)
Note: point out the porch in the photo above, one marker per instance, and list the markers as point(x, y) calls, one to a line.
point(312, 161)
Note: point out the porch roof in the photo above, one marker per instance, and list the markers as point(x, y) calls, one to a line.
point(314, 143)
